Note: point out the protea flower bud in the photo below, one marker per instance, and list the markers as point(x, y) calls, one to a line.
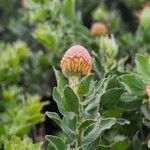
point(76, 61)
point(99, 29)
point(109, 46)
point(148, 93)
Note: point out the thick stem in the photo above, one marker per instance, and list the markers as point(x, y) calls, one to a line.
point(78, 140)
point(74, 82)
point(79, 122)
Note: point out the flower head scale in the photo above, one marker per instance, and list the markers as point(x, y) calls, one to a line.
point(76, 61)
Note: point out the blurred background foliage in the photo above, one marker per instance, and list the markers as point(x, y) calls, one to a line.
point(33, 37)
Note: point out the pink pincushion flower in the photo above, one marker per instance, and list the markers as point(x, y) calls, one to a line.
point(76, 61)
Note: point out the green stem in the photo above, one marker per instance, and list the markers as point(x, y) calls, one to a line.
point(79, 121)
point(74, 82)
point(78, 140)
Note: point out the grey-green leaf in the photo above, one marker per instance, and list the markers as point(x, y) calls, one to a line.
point(112, 82)
point(55, 117)
point(56, 96)
point(84, 85)
point(93, 145)
point(145, 111)
point(137, 144)
point(133, 84)
point(129, 102)
point(111, 97)
point(92, 106)
point(70, 100)
point(57, 99)
point(143, 66)
point(56, 142)
point(98, 128)
point(70, 120)
point(86, 124)
point(69, 133)
point(61, 81)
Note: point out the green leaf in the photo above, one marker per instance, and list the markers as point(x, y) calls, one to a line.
point(70, 120)
point(129, 102)
point(2, 130)
point(145, 111)
point(22, 130)
point(112, 82)
point(137, 144)
point(56, 96)
point(82, 32)
point(117, 112)
point(70, 100)
point(68, 9)
point(56, 142)
point(50, 147)
point(104, 147)
point(121, 145)
point(69, 133)
point(121, 64)
point(98, 128)
point(55, 117)
point(133, 84)
point(93, 145)
point(86, 124)
point(57, 99)
point(111, 97)
point(61, 81)
point(20, 143)
point(84, 85)
point(44, 35)
point(122, 121)
point(92, 106)
point(143, 67)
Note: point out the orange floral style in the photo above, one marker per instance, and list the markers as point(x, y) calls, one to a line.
point(76, 61)
point(148, 93)
point(99, 29)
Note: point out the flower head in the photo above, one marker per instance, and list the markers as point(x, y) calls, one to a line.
point(76, 61)
point(99, 29)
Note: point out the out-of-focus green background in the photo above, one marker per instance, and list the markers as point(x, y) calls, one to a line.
point(34, 34)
